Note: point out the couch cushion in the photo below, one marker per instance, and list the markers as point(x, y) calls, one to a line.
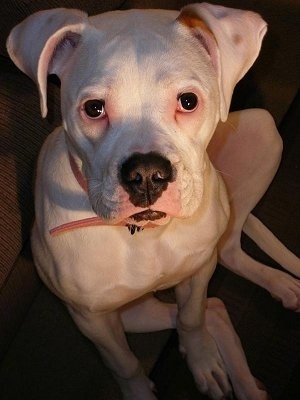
point(22, 132)
point(50, 359)
point(16, 296)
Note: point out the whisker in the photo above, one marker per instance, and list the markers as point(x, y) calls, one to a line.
point(223, 172)
point(231, 125)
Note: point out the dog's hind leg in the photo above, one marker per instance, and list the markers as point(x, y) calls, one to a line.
point(247, 152)
point(271, 245)
point(106, 331)
point(148, 314)
point(156, 315)
point(245, 386)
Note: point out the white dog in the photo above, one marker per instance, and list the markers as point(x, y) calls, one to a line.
point(142, 94)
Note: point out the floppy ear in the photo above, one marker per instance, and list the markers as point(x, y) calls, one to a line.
point(231, 37)
point(41, 44)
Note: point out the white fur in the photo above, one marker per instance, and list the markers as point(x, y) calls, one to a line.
point(139, 62)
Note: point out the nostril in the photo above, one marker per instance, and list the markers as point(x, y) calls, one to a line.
point(160, 176)
point(138, 179)
point(133, 178)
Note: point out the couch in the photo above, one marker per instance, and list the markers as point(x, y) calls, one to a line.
point(40, 348)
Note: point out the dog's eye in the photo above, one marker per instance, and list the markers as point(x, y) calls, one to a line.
point(94, 108)
point(187, 102)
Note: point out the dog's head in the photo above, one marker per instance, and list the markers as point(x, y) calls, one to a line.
point(142, 93)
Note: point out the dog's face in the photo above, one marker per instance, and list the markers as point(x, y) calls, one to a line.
point(139, 107)
point(142, 92)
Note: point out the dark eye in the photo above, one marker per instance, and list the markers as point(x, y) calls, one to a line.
point(94, 108)
point(187, 102)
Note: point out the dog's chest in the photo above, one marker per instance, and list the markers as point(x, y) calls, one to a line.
point(111, 269)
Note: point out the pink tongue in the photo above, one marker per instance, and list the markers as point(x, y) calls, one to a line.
point(148, 215)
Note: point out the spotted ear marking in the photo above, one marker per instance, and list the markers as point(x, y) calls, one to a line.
point(231, 37)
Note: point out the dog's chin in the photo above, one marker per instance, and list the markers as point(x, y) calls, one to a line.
point(148, 217)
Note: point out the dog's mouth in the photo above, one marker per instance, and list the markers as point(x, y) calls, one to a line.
point(148, 218)
point(148, 215)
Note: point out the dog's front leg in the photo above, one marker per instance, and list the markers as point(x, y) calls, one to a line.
point(196, 343)
point(107, 333)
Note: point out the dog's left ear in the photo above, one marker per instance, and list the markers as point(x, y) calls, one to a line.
point(232, 39)
point(43, 42)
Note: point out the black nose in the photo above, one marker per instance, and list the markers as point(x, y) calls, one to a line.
point(145, 177)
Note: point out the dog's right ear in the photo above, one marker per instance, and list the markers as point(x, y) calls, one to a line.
point(41, 44)
point(232, 39)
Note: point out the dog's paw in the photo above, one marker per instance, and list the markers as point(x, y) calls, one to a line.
point(139, 387)
point(284, 287)
point(281, 285)
point(206, 365)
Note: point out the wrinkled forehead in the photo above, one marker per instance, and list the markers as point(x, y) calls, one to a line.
point(135, 23)
point(149, 43)
point(140, 35)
